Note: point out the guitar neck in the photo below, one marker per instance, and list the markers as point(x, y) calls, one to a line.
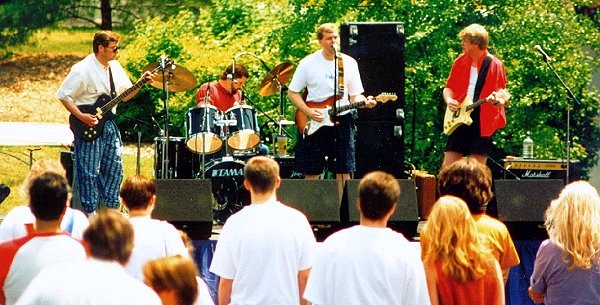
point(472, 106)
point(346, 107)
point(121, 96)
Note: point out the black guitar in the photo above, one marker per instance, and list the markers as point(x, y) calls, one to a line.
point(102, 109)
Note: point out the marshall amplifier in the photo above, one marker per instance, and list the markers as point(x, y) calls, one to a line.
point(520, 168)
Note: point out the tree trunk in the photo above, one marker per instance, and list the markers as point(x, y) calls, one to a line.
point(106, 13)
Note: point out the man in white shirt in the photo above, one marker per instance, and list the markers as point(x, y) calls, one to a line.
point(369, 264)
point(99, 280)
point(264, 251)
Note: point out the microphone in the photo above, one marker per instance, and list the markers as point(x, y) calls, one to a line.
point(544, 55)
point(161, 60)
point(335, 49)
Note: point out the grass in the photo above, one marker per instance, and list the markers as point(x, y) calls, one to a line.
point(59, 40)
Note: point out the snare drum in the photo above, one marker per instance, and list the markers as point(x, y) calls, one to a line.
point(181, 163)
point(229, 194)
point(202, 130)
point(245, 134)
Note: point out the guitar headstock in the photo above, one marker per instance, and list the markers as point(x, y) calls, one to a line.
point(503, 94)
point(385, 97)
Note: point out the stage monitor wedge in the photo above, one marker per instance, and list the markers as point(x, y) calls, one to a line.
point(185, 203)
point(317, 199)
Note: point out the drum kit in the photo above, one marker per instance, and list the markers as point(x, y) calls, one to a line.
point(216, 143)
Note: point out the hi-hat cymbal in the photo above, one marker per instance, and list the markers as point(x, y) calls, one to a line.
point(276, 77)
point(179, 78)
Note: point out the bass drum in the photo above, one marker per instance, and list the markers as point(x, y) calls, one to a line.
point(181, 163)
point(203, 133)
point(228, 192)
point(245, 134)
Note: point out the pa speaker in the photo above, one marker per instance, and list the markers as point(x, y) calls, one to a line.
point(379, 146)
point(378, 48)
point(521, 205)
point(185, 203)
point(317, 199)
point(406, 216)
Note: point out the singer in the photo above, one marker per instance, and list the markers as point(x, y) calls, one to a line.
point(98, 164)
point(318, 74)
point(227, 91)
point(475, 74)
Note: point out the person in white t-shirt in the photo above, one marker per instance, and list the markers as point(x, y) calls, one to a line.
point(98, 280)
point(318, 75)
point(264, 252)
point(19, 220)
point(153, 238)
point(369, 264)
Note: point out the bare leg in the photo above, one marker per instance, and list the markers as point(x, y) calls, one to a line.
point(480, 158)
point(341, 179)
point(451, 157)
point(311, 177)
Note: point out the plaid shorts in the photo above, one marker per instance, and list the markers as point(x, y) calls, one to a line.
point(312, 150)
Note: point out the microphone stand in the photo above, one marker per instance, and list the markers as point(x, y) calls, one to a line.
point(334, 118)
point(265, 114)
point(571, 96)
point(165, 148)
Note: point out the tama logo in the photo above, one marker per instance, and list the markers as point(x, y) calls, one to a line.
point(228, 172)
point(536, 174)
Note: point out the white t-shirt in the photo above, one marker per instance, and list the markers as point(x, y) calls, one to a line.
point(317, 74)
point(204, 297)
point(153, 239)
point(36, 254)
point(91, 282)
point(262, 248)
point(365, 265)
point(13, 225)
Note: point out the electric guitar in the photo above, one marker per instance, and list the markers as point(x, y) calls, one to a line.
point(462, 115)
point(102, 109)
point(308, 127)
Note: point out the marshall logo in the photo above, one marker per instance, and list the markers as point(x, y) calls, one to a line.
point(536, 174)
point(228, 172)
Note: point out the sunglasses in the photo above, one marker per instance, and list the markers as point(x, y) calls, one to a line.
point(115, 49)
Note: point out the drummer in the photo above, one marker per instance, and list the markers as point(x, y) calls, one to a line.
point(227, 91)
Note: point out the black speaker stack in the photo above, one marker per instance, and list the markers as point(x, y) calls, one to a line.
point(378, 48)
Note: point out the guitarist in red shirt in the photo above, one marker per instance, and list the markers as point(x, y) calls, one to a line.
point(317, 73)
point(468, 80)
point(98, 77)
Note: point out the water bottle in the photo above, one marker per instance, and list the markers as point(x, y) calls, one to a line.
point(528, 146)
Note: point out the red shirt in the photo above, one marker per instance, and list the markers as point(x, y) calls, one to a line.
point(219, 96)
point(491, 117)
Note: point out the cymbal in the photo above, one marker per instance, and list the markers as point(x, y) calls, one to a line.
point(278, 76)
point(179, 78)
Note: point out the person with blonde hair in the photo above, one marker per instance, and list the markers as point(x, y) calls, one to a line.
point(19, 220)
point(173, 278)
point(458, 263)
point(567, 265)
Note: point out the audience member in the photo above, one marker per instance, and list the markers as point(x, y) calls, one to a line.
point(264, 251)
point(99, 280)
point(153, 238)
point(19, 220)
point(458, 264)
point(173, 278)
point(471, 181)
point(369, 263)
point(23, 258)
point(567, 265)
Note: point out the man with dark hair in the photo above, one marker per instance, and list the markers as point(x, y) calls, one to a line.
point(369, 263)
point(471, 181)
point(23, 258)
point(99, 280)
point(153, 238)
point(98, 164)
point(264, 250)
point(227, 91)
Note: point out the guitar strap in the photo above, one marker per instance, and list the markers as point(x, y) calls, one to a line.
point(113, 92)
point(340, 75)
point(485, 66)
